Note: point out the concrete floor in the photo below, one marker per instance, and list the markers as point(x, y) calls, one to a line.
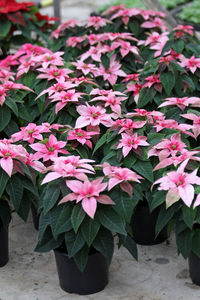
point(158, 275)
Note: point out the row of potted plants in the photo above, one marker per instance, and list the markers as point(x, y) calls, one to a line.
point(100, 127)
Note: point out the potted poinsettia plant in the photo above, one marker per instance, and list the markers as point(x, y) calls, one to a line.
point(17, 187)
point(82, 207)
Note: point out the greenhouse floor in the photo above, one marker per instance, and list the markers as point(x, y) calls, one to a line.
point(158, 275)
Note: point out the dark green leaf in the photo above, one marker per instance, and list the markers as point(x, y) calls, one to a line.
point(48, 242)
point(145, 169)
point(129, 244)
point(81, 258)
point(77, 216)
point(179, 46)
point(5, 213)
point(3, 181)
point(184, 242)
point(165, 215)
point(111, 220)
point(5, 116)
point(74, 242)
point(15, 190)
point(89, 229)
point(12, 105)
point(158, 198)
point(5, 26)
point(124, 204)
point(51, 197)
point(146, 96)
point(168, 81)
point(63, 223)
point(25, 206)
point(105, 61)
point(196, 242)
point(104, 243)
point(189, 215)
point(100, 142)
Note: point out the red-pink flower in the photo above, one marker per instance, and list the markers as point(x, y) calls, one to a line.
point(49, 59)
point(185, 28)
point(92, 115)
point(88, 193)
point(111, 100)
point(85, 68)
point(54, 73)
point(118, 175)
point(179, 185)
point(191, 63)
point(196, 122)
point(65, 97)
point(81, 136)
point(131, 142)
point(167, 147)
point(30, 133)
point(63, 26)
point(135, 88)
point(113, 72)
point(127, 125)
point(97, 22)
point(182, 103)
point(69, 166)
point(50, 149)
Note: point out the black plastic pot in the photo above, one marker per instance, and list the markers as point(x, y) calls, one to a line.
point(143, 225)
point(35, 216)
point(3, 245)
point(92, 280)
point(194, 268)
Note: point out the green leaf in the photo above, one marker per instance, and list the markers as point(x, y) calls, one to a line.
point(189, 81)
point(12, 105)
point(77, 216)
point(196, 242)
point(25, 206)
point(81, 258)
point(63, 223)
point(184, 242)
point(51, 197)
point(189, 215)
point(5, 117)
point(179, 46)
point(100, 142)
point(104, 243)
point(168, 82)
point(89, 229)
point(108, 156)
point(158, 198)
point(105, 61)
point(30, 79)
point(129, 244)
point(5, 213)
point(146, 96)
point(129, 161)
point(134, 27)
point(48, 242)
point(145, 169)
point(15, 190)
point(124, 205)
point(3, 181)
point(11, 128)
point(165, 215)
point(74, 242)
point(111, 220)
point(5, 26)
